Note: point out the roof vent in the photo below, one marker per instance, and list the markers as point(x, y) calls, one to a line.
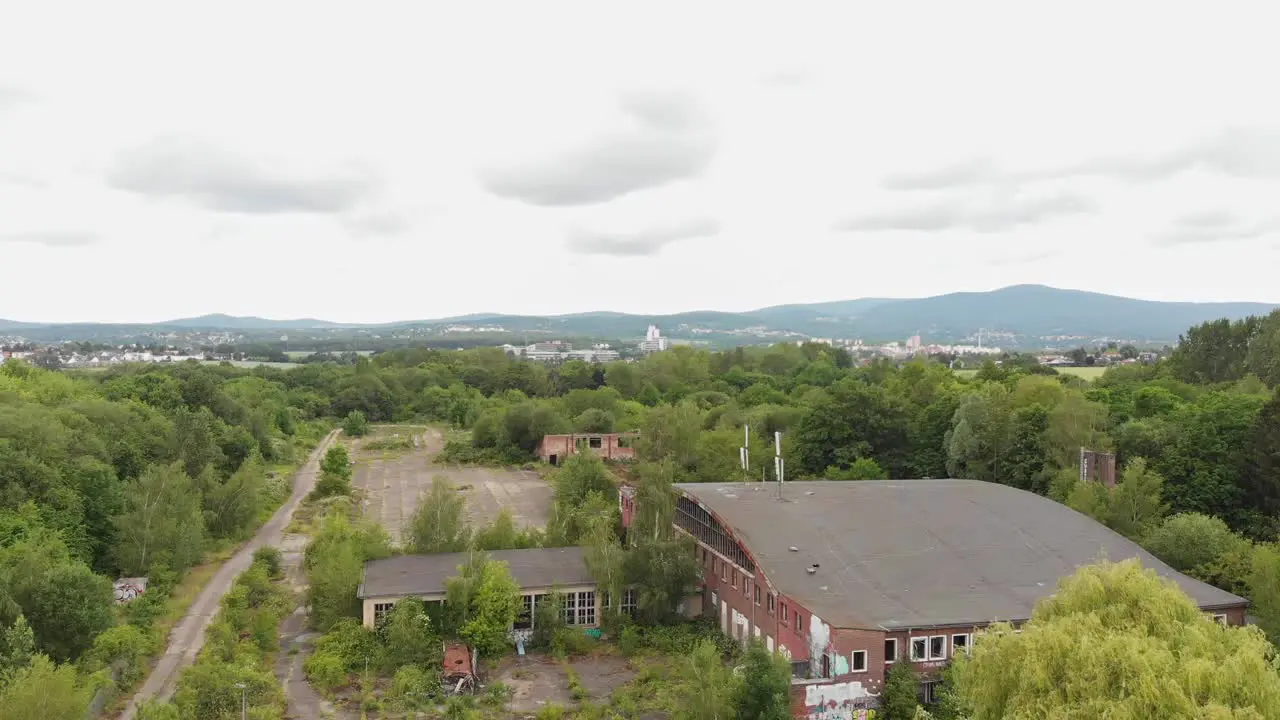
point(793, 548)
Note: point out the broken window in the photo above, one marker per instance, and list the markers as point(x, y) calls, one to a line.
point(959, 643)
point(919, 649)
point(890, 650)
point(784, 612)
point(938, 647)
point(757, 594)
point(799, 623)
point(773, 601)
point(524, 620)
point(594, 443)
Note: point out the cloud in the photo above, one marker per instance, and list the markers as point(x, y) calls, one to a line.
point(1005, 213)
point(12, 97)
point(967, 172)
point(786, 77)
point(1239, 152)
point(1002, 260)
point(217, 179)
point(376, 224)
point(647, 241)
point(667, 139)
point(51, 238)
point(1214, 226)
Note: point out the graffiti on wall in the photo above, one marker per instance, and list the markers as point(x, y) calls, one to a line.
point(820, 644)
point(128, 589)
point(838, 701)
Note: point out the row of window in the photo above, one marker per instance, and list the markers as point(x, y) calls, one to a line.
point(729, 574)
point(579, 608)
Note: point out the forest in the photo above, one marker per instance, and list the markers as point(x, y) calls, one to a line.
point(151, 470)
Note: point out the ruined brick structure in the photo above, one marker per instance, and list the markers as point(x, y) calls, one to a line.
point(611, 447)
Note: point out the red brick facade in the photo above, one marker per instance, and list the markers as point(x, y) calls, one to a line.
point(846, 666)
point(614, 447)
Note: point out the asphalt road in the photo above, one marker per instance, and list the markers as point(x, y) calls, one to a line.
point(187, 637)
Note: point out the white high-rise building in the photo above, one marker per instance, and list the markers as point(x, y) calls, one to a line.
point(653, 341)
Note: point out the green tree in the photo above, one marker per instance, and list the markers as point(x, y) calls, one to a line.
point(1118, 641)
point(355, 424)
point(671, 432)
point(231, 508)
point(709, 687)
point(854, 419)
point(1187, 540)
point(17, 647)
point(439, 524)
point(898, 699)
point(44, 691)
point(484, 600)
point(408, 638)
point(334, 561)
point(502, 534)
point(162, 522)
point(335, 473)
point(1132, 508)
point(1264, 589)
point(763, 692)
point(860, 469)
point(67, 607)
point(1261, 481)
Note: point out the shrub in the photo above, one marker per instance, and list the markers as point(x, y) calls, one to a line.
point(270, 559)
point(413, 686)
point(550, 711)
point(126, 644)
point(325, 671)
point(351, 642)
point(629, 640)
point(355, 424)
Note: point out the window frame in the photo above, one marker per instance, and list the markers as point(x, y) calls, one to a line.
point(890, 657)
point(381, 610)
point(783, 607)
point(799, 621)
point(966, 647)
point(772, 603)
point(943, 654)
point(1220, 618)
point(924, 654)
point(524, 617)
point(853, 661)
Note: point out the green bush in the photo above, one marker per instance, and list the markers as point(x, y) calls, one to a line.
point(355, 424)
point(413, 687)
point(550, 711)
point(629, 640)
point(352, 643)
point(271, 559)
point(325, 671)
point(125, 644)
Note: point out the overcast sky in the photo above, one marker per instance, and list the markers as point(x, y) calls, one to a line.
point(396, 162)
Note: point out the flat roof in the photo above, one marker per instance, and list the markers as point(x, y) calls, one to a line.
point(415, 575)
point(899, 554)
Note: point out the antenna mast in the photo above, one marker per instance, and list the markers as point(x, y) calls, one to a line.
point(744, 453)
point(778, 464)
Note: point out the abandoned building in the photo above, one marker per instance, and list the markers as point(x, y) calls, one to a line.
point(538, 572)
point(847, 578)
point(611, 447)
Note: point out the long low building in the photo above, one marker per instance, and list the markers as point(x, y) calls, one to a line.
point(847, 578)
point(538, 572)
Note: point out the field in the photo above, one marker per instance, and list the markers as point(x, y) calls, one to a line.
point(1088, 373)
point(394, 466)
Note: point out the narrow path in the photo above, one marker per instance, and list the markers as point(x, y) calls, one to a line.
point(187, 637)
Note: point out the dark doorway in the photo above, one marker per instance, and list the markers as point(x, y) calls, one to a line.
point(552, 459)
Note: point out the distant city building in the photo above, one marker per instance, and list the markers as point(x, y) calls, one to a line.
point(558, 351)
point(653, 341)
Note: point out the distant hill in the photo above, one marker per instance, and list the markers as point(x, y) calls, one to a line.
point(1036, 310)
point(231, 322)
point(1029, 312)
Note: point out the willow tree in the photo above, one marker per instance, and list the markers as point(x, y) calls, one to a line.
point(1119, 642)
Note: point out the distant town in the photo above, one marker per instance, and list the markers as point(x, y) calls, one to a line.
point(225, 347)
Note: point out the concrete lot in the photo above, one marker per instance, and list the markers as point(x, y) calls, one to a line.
point(392, 482)
point(536, 680)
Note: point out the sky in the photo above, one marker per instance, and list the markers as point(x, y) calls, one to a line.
point(371, 162)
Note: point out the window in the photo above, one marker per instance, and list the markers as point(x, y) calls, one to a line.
point(629, 601)
point(938, 647)
point(799, 621)
point(704, 556)
point(858, 661)
point(524, 619)
point(919, 649)
point(593, 443)
point(580, 608)
point(735, 578)
point(824, 666)
point(959, 644)
point(929, 690)
point(772, 603)
point(715, 601)
point(890, 650)
point(1220, 619)
point(746, 587)
point(381, 610)
point(784, 612)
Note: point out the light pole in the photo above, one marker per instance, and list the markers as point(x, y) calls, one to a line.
point(244, 707)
